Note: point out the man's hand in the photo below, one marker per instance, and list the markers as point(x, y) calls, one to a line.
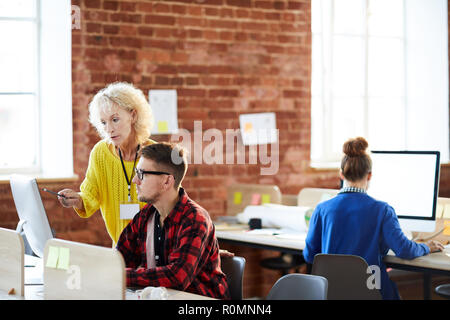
point(226, 254)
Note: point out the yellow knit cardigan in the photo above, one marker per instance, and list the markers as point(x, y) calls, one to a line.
point(105, 187)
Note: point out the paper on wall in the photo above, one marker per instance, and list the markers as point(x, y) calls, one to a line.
point(164, 108)
point(258, 128)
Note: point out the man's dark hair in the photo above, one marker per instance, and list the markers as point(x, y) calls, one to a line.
point(168, 157)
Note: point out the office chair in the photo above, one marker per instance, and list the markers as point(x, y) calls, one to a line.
point(284, 263)
point(308, 197)
point(299, 286)
point(347, 277)
point(233, 268)
point(443, 290)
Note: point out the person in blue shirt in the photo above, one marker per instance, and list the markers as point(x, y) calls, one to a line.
point(355, 223)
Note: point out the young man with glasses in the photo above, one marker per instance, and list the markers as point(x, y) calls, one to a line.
point(171, 242)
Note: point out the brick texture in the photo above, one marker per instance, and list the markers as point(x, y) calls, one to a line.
point(224, 58)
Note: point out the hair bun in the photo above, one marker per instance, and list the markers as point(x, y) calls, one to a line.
point(355, 147)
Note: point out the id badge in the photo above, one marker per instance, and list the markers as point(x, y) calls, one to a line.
point(128, 210)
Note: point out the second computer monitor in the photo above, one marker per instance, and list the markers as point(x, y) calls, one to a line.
point(33, 218)
point(409, 182)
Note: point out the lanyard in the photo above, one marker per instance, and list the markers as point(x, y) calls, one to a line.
point(125, 171)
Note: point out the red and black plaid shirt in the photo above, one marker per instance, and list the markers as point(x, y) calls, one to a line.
point(191, 251)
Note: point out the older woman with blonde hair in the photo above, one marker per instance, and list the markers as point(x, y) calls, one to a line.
point(123, 118)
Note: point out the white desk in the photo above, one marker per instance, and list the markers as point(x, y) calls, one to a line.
point(239, 235)
point(34, 288)
point(36, 292)
point(438, 261)
point(435, 263)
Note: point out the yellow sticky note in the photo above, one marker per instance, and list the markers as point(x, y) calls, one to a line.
point(237, 198)
point(52, 257)
point(446, 228)
point(248, 127)
point(163, 127)
point(265, 198)
point(64, 257)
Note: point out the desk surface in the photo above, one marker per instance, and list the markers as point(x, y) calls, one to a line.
point(291, 243)
point(439, 261)
point(36, 292)
point(34, 270)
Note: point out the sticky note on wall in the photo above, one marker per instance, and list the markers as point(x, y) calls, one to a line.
point(256, 199)
point(163, 127)
point(237, 198)
point(248, 127)
point(265, 198)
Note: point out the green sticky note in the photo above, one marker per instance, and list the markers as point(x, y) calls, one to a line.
point(64, 257)
point(237, 197)
point(265, 198)
point(163, 127)
point(52, 257)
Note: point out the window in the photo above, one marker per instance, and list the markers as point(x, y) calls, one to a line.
point(35, 88)
point(19, 86)
point(379, 70)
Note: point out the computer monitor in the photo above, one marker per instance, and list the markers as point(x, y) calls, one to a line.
point(33, 218)
point(409, 182)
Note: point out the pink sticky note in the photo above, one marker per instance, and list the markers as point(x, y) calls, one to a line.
point(256, 199)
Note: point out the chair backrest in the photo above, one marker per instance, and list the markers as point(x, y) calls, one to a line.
point(74, 270)
point(289, 199)
point(11, 261)
point(347, 276)
point(443, 208)
point(311, 197)
point(299, 286)
point(240, 196)
point(233, 268)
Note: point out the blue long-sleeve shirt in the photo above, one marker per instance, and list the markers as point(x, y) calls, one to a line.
point(357, 224)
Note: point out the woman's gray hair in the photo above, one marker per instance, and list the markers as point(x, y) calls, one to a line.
point(129, 98)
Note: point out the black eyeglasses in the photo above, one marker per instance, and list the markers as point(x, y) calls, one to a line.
point(140, 173)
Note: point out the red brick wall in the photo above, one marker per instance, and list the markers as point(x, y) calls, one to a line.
point(224, 58)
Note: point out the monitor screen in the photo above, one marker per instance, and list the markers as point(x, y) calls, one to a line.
point(409, 182)
point(31, 212)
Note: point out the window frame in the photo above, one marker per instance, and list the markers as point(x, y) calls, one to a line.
point(54, 93)
point(322, 99)
point(36, 167)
